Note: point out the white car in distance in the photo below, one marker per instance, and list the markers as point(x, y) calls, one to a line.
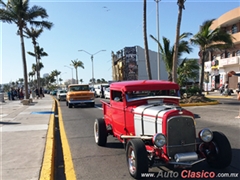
point(107, 93)
point(61, 95)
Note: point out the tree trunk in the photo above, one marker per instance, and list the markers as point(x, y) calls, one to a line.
point(202, 71)
point(175, 55)
point(37, 67)
point(148, 68)
point(77, 75)
point(24, 64)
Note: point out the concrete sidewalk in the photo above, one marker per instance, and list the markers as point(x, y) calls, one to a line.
point(217, 95)
point(23, 131)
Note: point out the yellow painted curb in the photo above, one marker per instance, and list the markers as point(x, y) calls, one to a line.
point(47, 170)
point(199, 104)
point(68, 164)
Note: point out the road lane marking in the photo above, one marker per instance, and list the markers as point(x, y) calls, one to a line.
point(67, 156)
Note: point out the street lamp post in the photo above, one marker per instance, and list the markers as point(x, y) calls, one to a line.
point(92, 62)
point(158, 53)
point(72, 71)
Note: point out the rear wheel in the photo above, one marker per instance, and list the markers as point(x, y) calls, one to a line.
point(220, 155)
point(100, 132)
point(137, 159)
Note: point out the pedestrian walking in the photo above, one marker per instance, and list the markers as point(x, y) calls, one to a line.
point(41, 92)
point(9, 95)
point(37, 93)
point(226, 89)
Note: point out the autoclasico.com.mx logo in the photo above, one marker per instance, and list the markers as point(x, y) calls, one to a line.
point(187, 174)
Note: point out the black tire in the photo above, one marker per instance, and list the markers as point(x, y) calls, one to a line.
point(69, 105)
point(66, 103)
point(93, 104)
point(136, 148)
point(221, 155)
point(100, 132)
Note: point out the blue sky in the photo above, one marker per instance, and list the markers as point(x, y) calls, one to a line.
point(89, 26)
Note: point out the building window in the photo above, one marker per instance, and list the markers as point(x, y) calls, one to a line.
point(238, 53)
point(234, 29)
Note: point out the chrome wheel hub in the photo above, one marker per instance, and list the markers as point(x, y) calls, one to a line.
point(131, 161)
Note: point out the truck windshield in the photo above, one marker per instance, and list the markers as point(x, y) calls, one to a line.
point(135, 95)
point(79, 88)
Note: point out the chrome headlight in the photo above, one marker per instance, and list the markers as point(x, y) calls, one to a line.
point(159, 140)
point(206, 135)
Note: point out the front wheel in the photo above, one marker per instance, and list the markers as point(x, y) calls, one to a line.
point(100, 132)
point(137, 159)
point(220, 155)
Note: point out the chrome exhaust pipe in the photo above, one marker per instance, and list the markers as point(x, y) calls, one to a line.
point(189, 156)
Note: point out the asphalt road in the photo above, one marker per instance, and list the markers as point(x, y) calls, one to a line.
point(103, 163)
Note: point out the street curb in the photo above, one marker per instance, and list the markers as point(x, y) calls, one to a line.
point(47, 170)
point(68, 164)
point(199, 104)
point(220, 97)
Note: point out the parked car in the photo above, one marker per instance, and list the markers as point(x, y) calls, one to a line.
point(99, 89)
point(146, 117)
point(61, 95)
point(53, 92)
point(78, 94)
point(107, 93)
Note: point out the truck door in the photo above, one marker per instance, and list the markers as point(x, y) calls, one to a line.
point(117, 113)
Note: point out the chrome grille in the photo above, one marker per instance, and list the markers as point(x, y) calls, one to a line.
point(181, 135)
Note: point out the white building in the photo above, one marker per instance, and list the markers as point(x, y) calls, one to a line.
point(129, 64)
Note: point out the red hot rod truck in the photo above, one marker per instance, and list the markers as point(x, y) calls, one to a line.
point(145, 115)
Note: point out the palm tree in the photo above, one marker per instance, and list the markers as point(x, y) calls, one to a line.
point(19, 12)
point(21, 80)
point(55, 73)
point(60, 80)
point(188, 69)
point(50, 79)
point(209, 40)
point(13, 84)
point(167, 51)
point(148, 67)
point(103, 80)
point(38, 54)
point(99, 81)
point(180, 4)
point(34, 34)
point(77, 63)
point(34, 67)
point(92, 81)
point(31, 74)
